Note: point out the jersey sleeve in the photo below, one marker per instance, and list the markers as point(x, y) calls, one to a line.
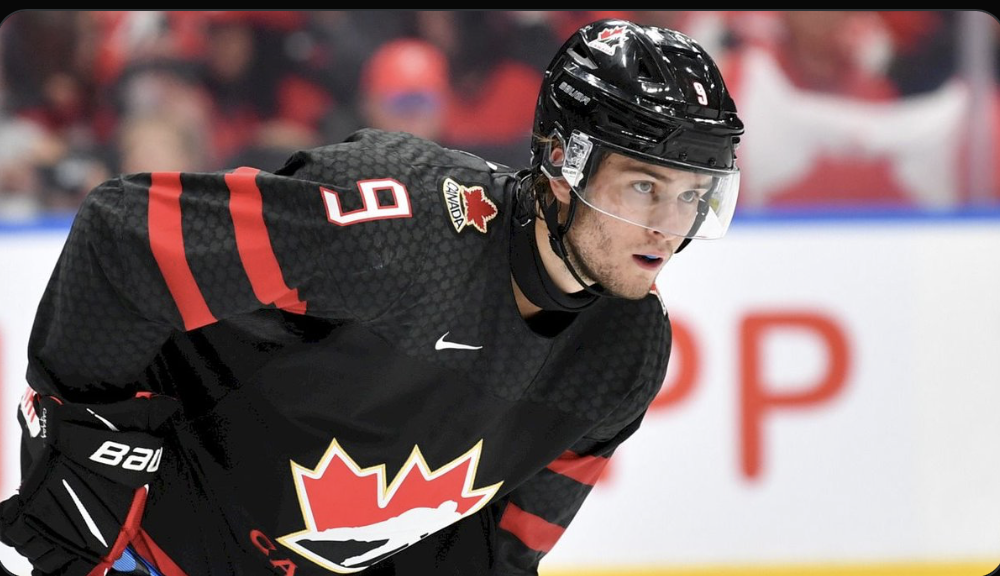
point(536, 514)
point(152, 254)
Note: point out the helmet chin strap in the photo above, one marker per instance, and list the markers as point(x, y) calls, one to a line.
point(557, 233)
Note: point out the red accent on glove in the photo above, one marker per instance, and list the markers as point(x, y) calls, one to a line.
point(130, 529)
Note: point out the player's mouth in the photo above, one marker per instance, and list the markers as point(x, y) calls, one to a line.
point(648, 261)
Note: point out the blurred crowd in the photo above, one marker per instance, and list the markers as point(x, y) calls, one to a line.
point(842, 108)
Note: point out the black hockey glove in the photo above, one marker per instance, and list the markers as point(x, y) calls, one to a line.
point(82, 497)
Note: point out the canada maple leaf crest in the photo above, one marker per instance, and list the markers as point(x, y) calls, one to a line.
point(610, 33)
point(468, 206)
point(608, 39)
point(355, 516)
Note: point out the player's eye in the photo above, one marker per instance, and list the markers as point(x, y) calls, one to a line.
point(644, 187)
point(689, 196)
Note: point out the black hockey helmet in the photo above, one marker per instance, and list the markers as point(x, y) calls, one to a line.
point(649, 93)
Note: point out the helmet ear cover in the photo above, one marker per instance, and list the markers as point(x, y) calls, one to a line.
point(551, 167)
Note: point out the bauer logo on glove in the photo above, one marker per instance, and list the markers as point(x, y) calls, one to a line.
point(85, 480)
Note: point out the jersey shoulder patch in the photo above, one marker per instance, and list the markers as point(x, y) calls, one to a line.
point(468, 207)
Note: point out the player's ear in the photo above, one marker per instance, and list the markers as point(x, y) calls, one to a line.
point(560, 188)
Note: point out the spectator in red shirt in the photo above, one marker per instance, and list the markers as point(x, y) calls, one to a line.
point(404, 86)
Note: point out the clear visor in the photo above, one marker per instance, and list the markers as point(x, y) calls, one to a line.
point(674, 199)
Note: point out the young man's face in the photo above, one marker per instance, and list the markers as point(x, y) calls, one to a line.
point(625, 257)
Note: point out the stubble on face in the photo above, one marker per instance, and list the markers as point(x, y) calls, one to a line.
point(589, 246)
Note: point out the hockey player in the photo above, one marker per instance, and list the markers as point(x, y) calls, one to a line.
point(385, 356)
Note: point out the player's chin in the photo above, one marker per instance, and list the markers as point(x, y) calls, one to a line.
point(636, 290)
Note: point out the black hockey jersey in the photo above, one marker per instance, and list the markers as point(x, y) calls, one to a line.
point(355, 378)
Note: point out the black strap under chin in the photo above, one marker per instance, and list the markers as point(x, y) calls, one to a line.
point(557, 235)
point(534, 281)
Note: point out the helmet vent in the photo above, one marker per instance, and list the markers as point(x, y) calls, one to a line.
point(581, 58)
point(644, 72)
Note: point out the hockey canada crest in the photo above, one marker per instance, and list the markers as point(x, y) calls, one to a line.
point(355, 516)
point(608, 39)
point(467, 206)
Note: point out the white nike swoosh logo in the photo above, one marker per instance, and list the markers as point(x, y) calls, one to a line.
point(442, 344)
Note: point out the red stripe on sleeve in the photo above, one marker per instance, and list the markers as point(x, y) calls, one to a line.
point(583, 469)
point(254, 245)
point(534, 531)
point(166, 240)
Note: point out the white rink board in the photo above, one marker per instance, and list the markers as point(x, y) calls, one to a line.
point(898, 463)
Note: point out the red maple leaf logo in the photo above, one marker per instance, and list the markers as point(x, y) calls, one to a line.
point(343, 502)
point(479, 209)
point(609, 33)
point(343, 494)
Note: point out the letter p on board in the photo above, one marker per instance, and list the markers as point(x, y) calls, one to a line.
point(758, 397)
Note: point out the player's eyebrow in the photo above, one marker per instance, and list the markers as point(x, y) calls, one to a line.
point(633, 165)
point(642, 168)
